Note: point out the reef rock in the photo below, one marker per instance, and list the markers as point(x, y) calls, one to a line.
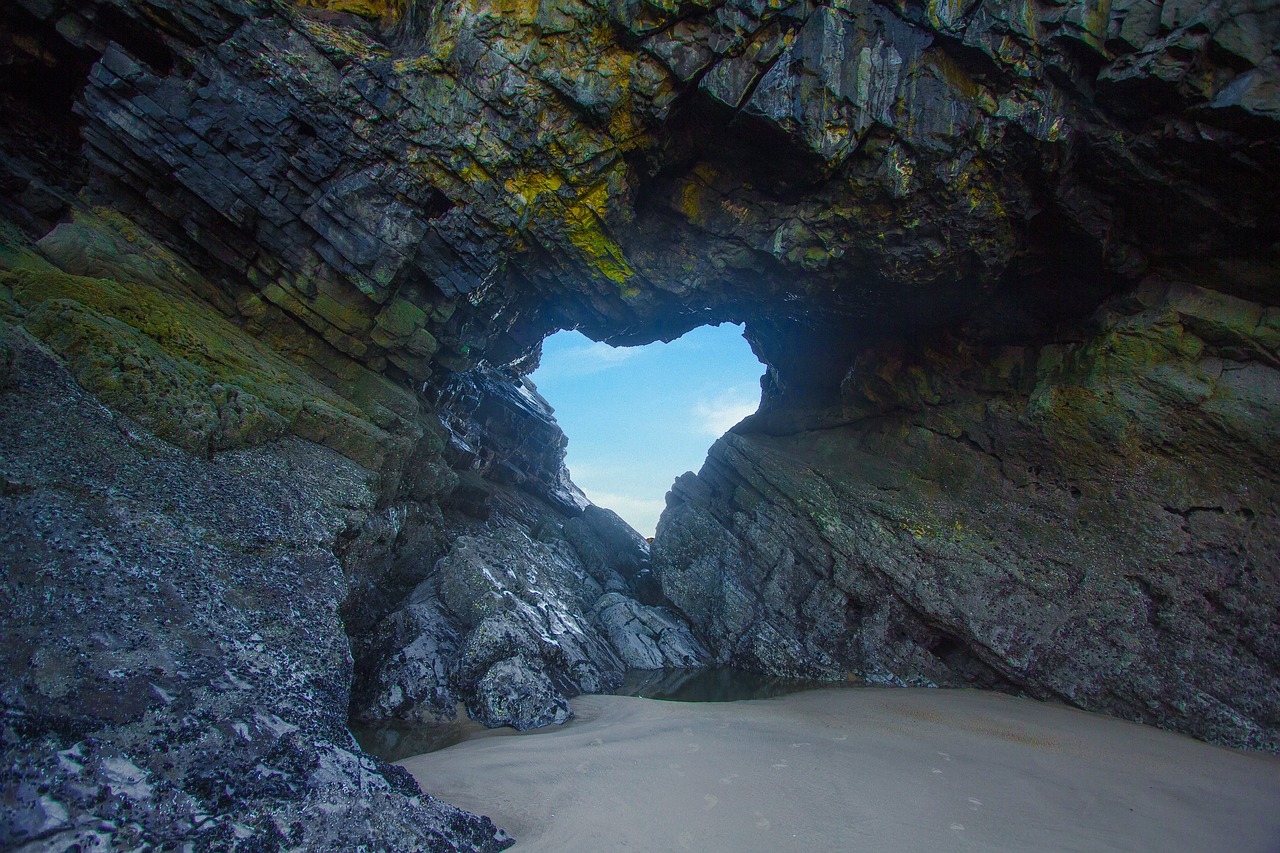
point(513, 604)
point(515, 693)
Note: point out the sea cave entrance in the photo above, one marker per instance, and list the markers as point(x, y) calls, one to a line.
point(638, 417)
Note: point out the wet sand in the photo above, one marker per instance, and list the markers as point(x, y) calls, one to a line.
point(852, 770)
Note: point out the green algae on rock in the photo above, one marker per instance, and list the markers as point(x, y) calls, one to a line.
point(1012, 267)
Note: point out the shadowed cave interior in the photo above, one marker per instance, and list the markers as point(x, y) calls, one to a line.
point(274, 277)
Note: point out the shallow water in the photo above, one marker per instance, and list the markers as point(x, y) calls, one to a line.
point(394, 740)
point(713, 684)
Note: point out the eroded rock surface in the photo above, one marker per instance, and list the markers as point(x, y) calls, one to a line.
point(524, 599)
point(183, 589)
point(1012, 267)
point(1090, 521)
point(175, 668)
point(448, 182)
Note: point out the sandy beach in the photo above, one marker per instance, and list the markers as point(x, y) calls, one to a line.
point(858, 769)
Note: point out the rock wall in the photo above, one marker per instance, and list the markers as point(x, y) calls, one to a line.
point(1090, 521)
point(1011, 267)
point(175, 668)
point(537, 595)
point(451, 181)
point(221, 542)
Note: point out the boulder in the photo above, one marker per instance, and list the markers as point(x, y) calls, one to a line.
point(515, 693)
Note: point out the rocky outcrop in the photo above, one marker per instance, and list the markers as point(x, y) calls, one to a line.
point(428, 189)
point(647, 638)
point(175, 668)
point(526, 608)
point(1090, 521)
point(187, 571)
point(307, 251)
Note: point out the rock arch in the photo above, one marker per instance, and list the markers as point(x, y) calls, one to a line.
point(1011, 268)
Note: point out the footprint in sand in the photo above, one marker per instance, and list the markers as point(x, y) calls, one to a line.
point(842, 737)
point(798, 745)
point(686, 840)
point(958, 827)
point(596, 742)
point(582, 768)
point(781, 765)
point(945, 756)
point(936, 770)
point(693, 747)
point(675, 768)
point(711, 802)
point(975, 804)
point(762, 822)
point(728, 780)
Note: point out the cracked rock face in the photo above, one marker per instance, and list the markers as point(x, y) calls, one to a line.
point(450, 181)
point(1012, 268)
point(176, 671)
point(183, 613)
point(1091, 522)
point(514, 607)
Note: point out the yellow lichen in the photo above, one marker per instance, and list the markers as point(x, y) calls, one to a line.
point(521, 12)
point(385, 10)
point(528, 186)
point(693, 191)
point(581, 215)
point(690, 201)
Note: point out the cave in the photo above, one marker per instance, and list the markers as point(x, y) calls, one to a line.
point(274, 278)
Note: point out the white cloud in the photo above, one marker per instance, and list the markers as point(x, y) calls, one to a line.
point(606, 353)
point(716, 415)
point(584, 360)
point(640, 513)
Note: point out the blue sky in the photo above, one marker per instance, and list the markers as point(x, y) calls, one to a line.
point(638, 417)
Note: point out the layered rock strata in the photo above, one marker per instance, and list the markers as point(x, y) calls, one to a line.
point(189, 568)
point(1011, 267)
point(1089, 521)
point(449, 182)
point(526, 607)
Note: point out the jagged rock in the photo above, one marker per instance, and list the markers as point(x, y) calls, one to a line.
point(611, 550)
point(625, 549)
point(515, 693)
point(647, 637)
point(507, 433)
point(505, 595)
point(417, 642)
point(1065, 521)
point(176, 672)
point(272, 233)
point(1012, 156)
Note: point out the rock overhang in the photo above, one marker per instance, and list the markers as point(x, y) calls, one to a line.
point(420, 189)
point(886, 196)
point(1011, 267)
